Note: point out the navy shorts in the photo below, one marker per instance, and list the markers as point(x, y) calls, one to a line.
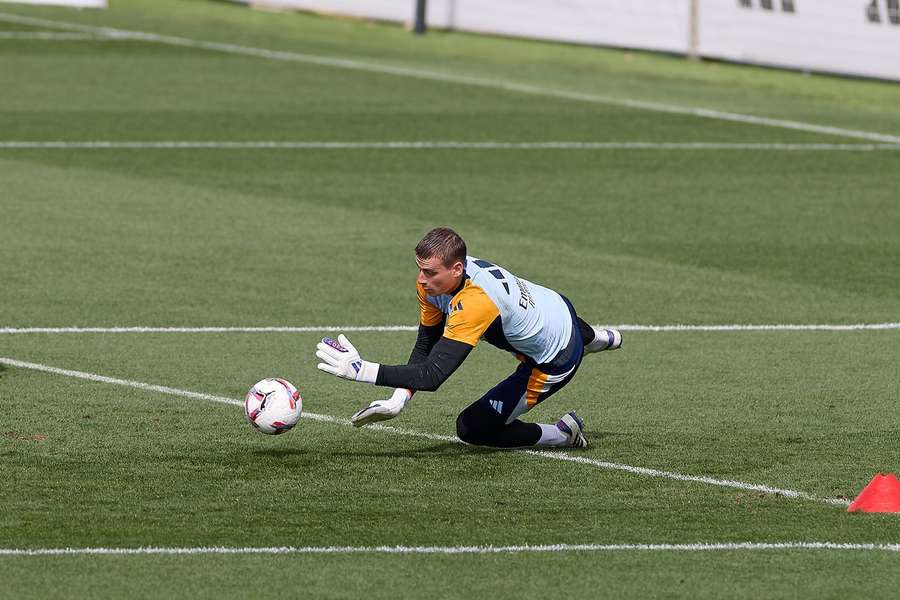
point(531, 383)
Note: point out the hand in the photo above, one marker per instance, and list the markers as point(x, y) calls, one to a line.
point(382, 410)
point(340, 358)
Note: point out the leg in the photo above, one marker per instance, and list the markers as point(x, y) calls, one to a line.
point(489, 421)
point(493, 421)
point(587, 332)
point(597, 339)
point(478, 426)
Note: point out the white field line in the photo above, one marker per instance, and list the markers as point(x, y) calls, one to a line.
point(433, 145)
point(556, 455)
point(52, 35)
point(497, 84)
point(388, 328)
point(519, 549)
point(275, 329)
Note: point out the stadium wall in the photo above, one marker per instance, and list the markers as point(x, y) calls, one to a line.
point(848, 37)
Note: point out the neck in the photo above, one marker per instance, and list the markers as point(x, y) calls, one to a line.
point(458, 285)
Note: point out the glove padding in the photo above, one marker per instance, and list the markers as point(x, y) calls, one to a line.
point(340, 358)
point(382, 410)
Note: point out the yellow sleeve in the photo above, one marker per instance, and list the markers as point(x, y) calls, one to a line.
point(471, 313)
point(429, 314)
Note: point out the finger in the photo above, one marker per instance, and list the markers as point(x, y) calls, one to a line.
point(343, 341)
point(369, 408)
point(358, 418)
point(330, 359)
point(363, 417)
point(320, 347)
point(334, 345)
point(328, 369)
point(372, 417)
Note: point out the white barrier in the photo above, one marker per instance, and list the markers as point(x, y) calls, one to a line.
point(853, 37)
point(856, 37)
point(72, 3)
point(651, 24)
point(384, 10)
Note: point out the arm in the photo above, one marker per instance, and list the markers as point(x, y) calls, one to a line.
point(425, 341)
point(464, 327)
point(445, 357)
point(433, 359)
point(431, 326)
point(427, 338)
point(382, 410)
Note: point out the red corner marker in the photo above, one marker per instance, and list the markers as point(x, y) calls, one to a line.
point(881, 495)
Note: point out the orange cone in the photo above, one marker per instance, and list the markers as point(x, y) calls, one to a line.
point(881, 495)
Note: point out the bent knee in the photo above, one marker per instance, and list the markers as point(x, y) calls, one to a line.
point(464, 429)
point(472, 430)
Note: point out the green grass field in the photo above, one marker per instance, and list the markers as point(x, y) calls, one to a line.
point(311, 237)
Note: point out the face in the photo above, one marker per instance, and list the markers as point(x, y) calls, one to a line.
point(436, 278)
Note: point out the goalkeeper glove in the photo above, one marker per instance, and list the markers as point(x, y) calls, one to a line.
point(340, 358)
point(382, 410)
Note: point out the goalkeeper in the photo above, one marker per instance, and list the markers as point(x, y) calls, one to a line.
point(462, 300)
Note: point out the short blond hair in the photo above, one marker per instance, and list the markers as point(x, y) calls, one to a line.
point(444, 243)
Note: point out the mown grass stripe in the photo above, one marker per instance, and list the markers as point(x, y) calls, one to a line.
point(736, 327)
point(497, 84)
point(428, 145)
point(555, 455)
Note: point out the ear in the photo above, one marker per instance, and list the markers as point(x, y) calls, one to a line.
point(457, 269)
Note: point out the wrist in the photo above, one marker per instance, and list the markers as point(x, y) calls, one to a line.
point(368, 371)
point(401, 395)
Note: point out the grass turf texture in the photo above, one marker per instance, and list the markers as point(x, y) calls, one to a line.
point(148, 237)
point(735, 575)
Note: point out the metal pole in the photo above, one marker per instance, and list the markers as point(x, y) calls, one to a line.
point(694, 30)
point(419, 27)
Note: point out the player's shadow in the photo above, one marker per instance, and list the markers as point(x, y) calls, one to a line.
point(311, 454)
point(446, 448)
point(457, 448)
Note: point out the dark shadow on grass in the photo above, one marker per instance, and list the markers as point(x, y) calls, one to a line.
point(282, 452)
point(448, 448)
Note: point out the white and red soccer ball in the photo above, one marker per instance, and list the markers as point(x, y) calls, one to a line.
point(273, 406)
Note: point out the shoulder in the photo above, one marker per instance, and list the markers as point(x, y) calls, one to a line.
point(473, 300)
point(471, 312)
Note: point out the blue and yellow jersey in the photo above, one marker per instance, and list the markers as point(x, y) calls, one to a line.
point(506, 311)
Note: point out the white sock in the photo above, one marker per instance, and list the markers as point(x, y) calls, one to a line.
point(552, 436)
point(602, 340)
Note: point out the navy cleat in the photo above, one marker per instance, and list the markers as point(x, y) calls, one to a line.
point(572, 425)
point(604, 339)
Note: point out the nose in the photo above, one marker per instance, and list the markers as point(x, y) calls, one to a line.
point(421, 279)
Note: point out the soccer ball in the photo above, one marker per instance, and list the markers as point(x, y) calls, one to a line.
point(273, 406)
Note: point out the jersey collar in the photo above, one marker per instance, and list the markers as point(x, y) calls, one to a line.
point(462, 284)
